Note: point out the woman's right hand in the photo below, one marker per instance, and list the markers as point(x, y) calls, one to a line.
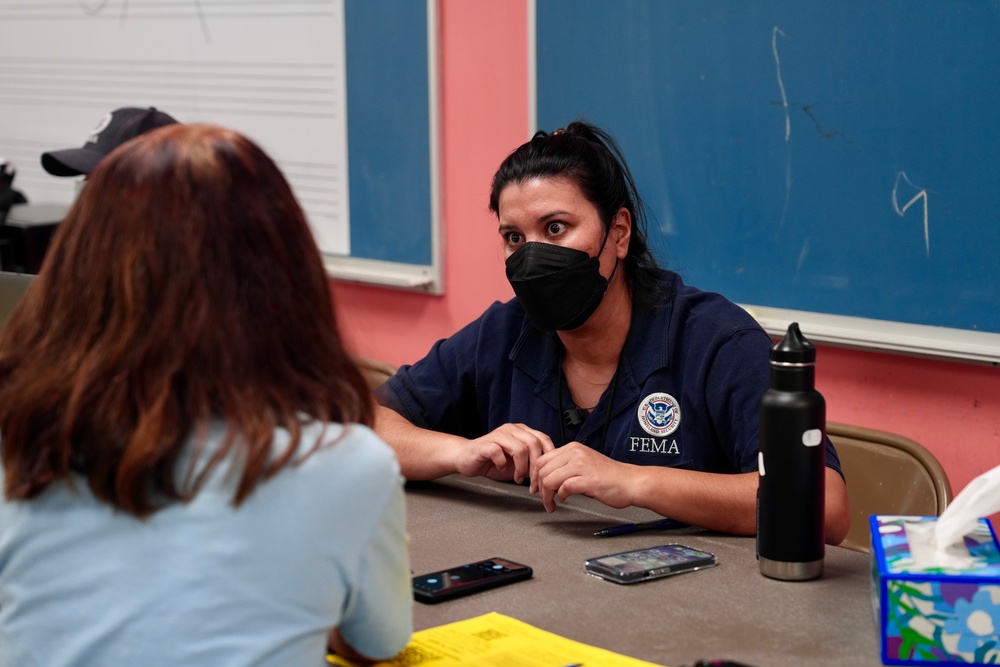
point(506, 453)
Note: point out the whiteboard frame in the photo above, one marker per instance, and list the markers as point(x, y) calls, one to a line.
point(400, 275)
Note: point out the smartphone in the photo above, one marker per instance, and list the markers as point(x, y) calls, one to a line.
point(629, 567)
point(467, 579)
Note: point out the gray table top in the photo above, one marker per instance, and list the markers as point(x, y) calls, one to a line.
point(730, 611)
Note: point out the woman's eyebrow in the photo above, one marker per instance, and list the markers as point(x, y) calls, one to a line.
point(539, 221)
point(553, 214)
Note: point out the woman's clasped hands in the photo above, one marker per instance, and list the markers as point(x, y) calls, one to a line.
point(516, 452)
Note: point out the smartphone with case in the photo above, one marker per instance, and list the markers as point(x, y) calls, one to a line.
point(630, 567)
point(467, 579)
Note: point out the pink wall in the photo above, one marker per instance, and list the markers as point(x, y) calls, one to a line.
point(484, 106)
point(951, 408)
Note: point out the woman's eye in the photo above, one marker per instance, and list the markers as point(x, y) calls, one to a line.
point(555, 228)
point(513, 238)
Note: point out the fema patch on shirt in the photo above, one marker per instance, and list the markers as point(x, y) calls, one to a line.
point(659, 414)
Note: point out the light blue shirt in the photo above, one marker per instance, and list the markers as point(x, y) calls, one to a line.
point(322, 544)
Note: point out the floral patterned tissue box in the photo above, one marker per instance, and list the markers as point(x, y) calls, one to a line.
point(935, 615)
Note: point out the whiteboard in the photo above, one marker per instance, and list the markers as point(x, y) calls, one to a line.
point(274, 70)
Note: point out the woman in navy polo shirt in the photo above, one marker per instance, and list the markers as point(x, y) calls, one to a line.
point(606, 375)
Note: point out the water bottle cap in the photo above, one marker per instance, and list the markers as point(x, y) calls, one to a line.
point(794, 348)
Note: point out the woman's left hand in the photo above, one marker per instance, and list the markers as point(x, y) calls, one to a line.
point(576, 468)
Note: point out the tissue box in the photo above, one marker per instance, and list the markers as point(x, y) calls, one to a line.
point(934, 615)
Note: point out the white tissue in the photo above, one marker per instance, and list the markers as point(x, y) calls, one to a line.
point(941, 543)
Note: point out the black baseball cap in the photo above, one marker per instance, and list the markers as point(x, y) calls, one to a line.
point(114, 130)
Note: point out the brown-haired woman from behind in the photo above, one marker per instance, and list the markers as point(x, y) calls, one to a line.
point(188, 473)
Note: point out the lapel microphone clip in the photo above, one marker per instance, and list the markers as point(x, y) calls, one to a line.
point(575, 416)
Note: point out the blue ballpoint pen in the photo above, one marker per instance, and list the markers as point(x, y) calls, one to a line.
point(626, 528)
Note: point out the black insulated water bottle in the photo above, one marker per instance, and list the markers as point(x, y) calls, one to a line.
point(791, 463)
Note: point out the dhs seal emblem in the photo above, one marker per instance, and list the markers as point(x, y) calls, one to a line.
point(659, 414)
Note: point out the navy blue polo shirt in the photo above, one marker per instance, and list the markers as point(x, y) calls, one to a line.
point(686, 395)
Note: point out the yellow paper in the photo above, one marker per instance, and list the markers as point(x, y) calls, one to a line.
point(494, 639)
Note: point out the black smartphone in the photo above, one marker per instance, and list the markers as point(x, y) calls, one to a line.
point(629, 567)
point(467, 579)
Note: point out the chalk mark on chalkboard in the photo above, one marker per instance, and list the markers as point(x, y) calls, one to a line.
point(788, 124)
point(808, 108)
point(803, 254)
point(922, 194)
point(781, 85)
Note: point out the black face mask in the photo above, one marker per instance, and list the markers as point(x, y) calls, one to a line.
point(559, 288)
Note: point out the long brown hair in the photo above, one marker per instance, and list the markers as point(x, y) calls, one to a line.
point(183, 286)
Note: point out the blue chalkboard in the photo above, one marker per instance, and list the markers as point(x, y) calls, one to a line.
point(388, 130)
point(834, 157)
